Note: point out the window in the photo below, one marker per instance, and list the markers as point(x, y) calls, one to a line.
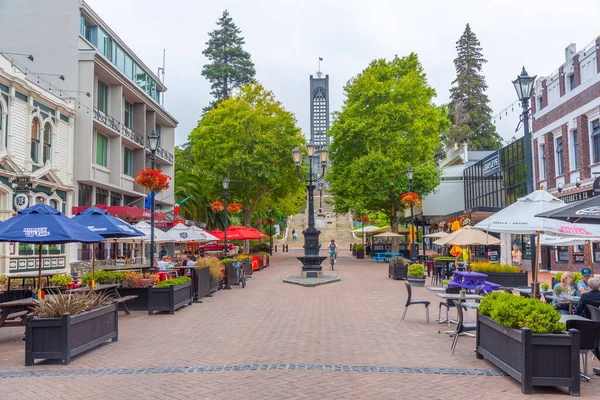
point(596, 140)
point(575, 158)
point(157, 130)
point(559, 157)
point(85, 195)
point(47, 152)
point(543, 166)
point(540, 102)
point(571, 81)
point(105, 44)
point(53, 204)
point(115, 198)
point(101, 150)
point(562, 254)
point(128, 120)
point(102, 102)
point(140, 77)
point(128, 67)
point(128, 162)
point(35, 140)
point(120, 59)
point(101, 196)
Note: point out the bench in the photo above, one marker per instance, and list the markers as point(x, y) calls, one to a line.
point(4, 321)
point(123, 300)
point(378, 257)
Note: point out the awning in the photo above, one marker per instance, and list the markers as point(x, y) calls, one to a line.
point(126, 213)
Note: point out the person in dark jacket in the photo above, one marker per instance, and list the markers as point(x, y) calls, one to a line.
point(592, 296)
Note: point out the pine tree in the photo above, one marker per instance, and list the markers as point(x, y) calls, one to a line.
point(469, 111)
point(231, 66)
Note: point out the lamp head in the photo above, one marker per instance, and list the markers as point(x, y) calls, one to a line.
point(578, 183)
point(524, 85)
point(409, 174)
point(297, 154)
point(310, 149)
point(153, 140)
point(225, 183)
point(560, 187)
point(324, 155)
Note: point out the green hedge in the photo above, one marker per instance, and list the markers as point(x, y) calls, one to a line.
point(417, 270)
point(103, 277)
point(176, 281)
point(521, 312)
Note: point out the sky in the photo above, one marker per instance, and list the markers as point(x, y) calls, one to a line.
point(286, 37)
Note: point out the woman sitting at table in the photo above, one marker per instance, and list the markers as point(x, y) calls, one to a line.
point(591, 297)
point(565, 287)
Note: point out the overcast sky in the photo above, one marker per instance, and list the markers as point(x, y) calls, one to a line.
point(285, 39)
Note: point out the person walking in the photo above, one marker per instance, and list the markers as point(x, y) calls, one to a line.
point(517, 256)
point(294, 237)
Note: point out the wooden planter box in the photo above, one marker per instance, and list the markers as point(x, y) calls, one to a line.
point(508, 279)
point(360, 254)
point(169, 298)
point(65, 337)
point(138, 304)
point(397, 270)
point(203, 281)
point(531, 359)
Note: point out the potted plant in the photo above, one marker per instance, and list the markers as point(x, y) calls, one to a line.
point(170, 295)
point(503, 274)
point(398, 268)
point(229, 268)
point(61, 280)
point(360, 251)
point(445, 283)
point(545, 286)
point(53, 249)
point(68, 324)
point(209, 275)
point(416, 275)
point(25, 250)
point(134, 284)
point(525, 338)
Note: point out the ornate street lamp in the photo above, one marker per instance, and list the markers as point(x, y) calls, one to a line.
point(270, 231)
point(225, 187)
point(153, 140)
point(413, 250)
point(311, 261)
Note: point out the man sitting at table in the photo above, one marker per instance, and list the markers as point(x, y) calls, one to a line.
point(582, 285)
point(593, 296)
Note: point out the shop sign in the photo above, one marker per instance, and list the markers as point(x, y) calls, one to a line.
point(573, 197)
point(491, 165)
point(21, 201)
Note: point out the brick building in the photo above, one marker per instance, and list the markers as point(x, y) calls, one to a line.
point(566, 140)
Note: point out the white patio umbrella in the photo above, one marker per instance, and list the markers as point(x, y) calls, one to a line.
point(366, 229)
point(436, 235)
point(468, 236)
point(183, 233)
point(388, 234)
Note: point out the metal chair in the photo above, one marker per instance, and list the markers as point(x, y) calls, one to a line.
point(586, 312)
point(448, 304)
point(594, 312)
point(461, 327)
point(589, 340)
point(410, 302)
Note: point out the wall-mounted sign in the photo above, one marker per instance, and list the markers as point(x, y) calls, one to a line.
point(573, 197)
point(579, 258)
point(21, 201)
point(493, 256)
point(491, 164)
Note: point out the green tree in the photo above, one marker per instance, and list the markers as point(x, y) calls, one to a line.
point(249, 139)
point(469, 108)
point(230, 65)
point(388, 124)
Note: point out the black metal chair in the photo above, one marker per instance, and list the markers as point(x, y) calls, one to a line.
point(594, 312)
point(461, 327)
point(410, 302)
point(448, 304)
point(586, 312)
point(589, 340)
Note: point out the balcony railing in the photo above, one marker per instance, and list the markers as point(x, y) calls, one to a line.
point(162, 153)
point(115, 125)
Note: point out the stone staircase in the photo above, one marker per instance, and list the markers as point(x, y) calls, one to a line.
point(331, 226)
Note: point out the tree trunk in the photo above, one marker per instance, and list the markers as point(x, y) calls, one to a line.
point(394, 228)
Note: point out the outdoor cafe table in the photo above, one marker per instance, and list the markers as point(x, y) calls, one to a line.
point(437, 289)
point(108, 289)
point(470, 280)
point(457, 296)
point(571, 299)
point(30, 275)
point(11, 306)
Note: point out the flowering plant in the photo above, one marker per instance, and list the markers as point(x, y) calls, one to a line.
point(217, 206)
point(466, 221)
point(153, 179)
point(234, 208)
point(410, 199)
point(270, 221)
point(362, 219)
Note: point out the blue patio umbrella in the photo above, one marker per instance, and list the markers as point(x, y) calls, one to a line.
point(42, 224)
point(105, 225)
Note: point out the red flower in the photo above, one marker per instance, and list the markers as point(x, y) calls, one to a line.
point(234, 208)
point(362, 219)
point(410, 199)
point(270, 221)
point(217, 206)
point(153, 179)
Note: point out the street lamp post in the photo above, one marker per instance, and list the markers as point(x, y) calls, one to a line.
point(524, 86)
point(311, 261)
point(413, 250)
point(270, 231)
point(320, 199)
point(153, 143)
point(225, 187)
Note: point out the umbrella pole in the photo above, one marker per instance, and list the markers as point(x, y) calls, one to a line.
point(39, 288)
point(535, 267)
point(591, 256)
point(93, 283)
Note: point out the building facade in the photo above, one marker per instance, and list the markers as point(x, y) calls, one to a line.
point(566, 139)
point(319, 109)
point(36, 149)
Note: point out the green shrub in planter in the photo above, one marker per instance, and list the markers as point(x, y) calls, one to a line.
point(61, 280)
point(520, 312)
point(416, 270)
point(359, 247)
point(176, 281)
point(226, 260)
point(545, 287)
point(576, 275)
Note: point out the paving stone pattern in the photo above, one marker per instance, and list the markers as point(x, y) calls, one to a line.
point(273, 340)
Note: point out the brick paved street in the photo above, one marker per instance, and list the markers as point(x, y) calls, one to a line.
point(275, 340)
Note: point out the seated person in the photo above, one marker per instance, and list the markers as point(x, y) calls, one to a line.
point(582, 285)
point(162, 265)
point(593, 296)
point(561, 289)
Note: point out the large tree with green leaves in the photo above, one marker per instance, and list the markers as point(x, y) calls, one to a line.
point(388, 124)
point(249, 139)
point(469, 107)
point(230, 65)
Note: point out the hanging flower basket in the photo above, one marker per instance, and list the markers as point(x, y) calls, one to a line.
point(234, 208)
point(217, 206)
point(467, 221)
point(410, 199)
point(362, 219)
point(153, 179)
point(270, 221)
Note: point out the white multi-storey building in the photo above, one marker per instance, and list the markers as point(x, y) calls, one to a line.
point(36, 145)
point(119, 98)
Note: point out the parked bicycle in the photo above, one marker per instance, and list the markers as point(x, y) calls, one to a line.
point(241, 273)
point(331, 261)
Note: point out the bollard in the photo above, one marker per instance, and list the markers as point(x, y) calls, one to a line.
point(275, 248)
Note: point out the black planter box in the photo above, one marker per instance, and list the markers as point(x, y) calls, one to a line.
point(138, 304)
point(507, 279)
point(169, 298)
point(65, 337)
point(231, 273)
point(203, 282)
point(360, 254)
point(531, 359)
point(214, 285)
point(397, 270)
